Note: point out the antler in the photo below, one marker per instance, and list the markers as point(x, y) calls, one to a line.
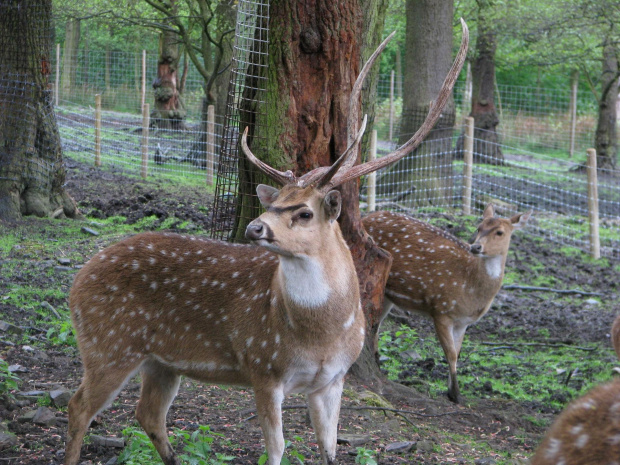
point(422, 132)
point(328, 177)
point(281, 177)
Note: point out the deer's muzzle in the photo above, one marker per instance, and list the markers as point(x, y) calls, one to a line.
point(258, 230)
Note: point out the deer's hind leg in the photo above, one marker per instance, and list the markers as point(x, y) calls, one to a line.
point(100, 386)
point(160, 385)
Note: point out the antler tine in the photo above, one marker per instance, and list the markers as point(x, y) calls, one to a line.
point(431, 119)
point(280, 177)
point(354, 98)
point(323, 174)
point(325, 180)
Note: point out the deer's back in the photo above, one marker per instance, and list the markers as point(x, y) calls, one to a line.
point(173, 298)
point(430, 266)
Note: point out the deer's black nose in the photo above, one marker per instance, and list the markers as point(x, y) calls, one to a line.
point(476, 249)
point(254, 231)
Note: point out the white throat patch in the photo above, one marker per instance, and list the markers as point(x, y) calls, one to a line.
point(304, 281)
point(494, 266)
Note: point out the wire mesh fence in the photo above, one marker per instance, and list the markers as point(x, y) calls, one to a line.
point(535, 117)
point(534, 135)
point(170, 152)
point(556, 189)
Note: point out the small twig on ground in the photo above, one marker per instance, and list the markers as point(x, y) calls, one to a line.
point(541, 344)
point(503, 348)
point(384, 409)
point(549, 289)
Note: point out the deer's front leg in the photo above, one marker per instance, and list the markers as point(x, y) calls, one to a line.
point(324, 406)
point(269, 409)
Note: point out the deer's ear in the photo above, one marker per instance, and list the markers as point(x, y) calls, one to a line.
point(267, 194)
point(518, 221)
point(332, 204)
point(489, 211)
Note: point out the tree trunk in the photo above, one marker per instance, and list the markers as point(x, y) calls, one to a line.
point(314, 59)
point(606, 138)
point(31, 169)
point(169, 111)
point(69, 59)
point(486, 147)
point(425, 174)
point(217, 94)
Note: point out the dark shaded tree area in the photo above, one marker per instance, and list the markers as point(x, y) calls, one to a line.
point(31, 170)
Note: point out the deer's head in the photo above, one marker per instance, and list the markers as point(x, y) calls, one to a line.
point(492, 238)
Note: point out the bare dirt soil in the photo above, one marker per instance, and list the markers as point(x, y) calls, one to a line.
point(432, 423)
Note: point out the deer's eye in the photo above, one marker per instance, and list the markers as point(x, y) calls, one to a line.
point(305, 216)
point(500, 233)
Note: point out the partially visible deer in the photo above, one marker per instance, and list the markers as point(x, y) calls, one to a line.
point(440, 276)
point(587, 432)
point(282, 318)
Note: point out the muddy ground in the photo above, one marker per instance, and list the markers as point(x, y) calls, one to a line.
point(507, 426)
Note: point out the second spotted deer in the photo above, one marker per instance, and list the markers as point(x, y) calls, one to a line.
point(438, 275)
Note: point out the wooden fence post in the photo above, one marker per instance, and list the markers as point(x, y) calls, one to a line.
point(372, 177)
point(574, 80)
point(595, 240)
point(144, 141)
point(210, 143)
point(143, 90)
point(98, 130)
point(391, 131)
point(468, 159)
point(57, 81)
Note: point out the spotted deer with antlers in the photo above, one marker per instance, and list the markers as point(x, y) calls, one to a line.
point(284, 317)
point(440, 276)
point(587, 432)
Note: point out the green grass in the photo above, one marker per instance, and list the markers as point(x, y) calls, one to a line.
point(512, 369)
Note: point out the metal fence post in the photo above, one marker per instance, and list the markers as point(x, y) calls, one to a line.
point(210, 143)
point(595, 240)
point(468, 159)
point(144, 141)
point(98, 130)
point(372, 177)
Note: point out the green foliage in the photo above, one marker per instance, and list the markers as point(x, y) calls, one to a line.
point(291, 454)
point(365, 456)
point(62, 333)
point(392, 344)
point(139, 449)
point(8, 381)
point(553, 375)
point(197, 447)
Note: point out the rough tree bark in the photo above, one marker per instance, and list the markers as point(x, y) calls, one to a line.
point(169, 111)
point(606, 138)
point(426, 174)
point(314, 59)
point(486, 147)
point(70, 55)
point(31, 169)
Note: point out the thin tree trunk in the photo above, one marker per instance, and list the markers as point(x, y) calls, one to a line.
point(169, 111)
point(606, 138)
point(69, 59)
point(427, 61)
point(31, 169)
point(486, 143)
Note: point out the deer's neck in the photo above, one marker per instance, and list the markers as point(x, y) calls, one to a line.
point(487, 275)
point(311, 284)
point(304, 281)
